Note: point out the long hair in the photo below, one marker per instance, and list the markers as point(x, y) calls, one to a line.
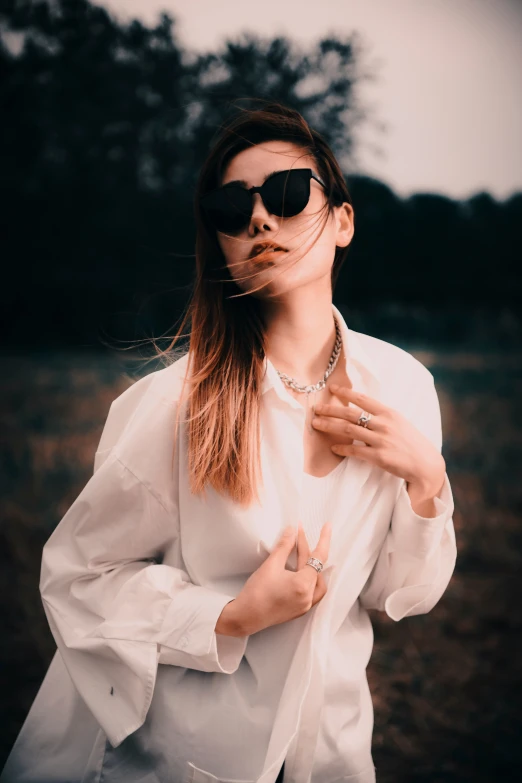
point(226, 325)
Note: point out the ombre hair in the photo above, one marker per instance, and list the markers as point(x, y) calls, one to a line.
point(226, 352)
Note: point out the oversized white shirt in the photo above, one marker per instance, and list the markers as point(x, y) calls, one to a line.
point(137, 572)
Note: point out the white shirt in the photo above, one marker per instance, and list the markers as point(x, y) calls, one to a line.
point(319, 497)
point(137, 572)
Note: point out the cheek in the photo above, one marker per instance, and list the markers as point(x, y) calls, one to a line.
point(313, 226)
point(237, 268)
point(233, 249)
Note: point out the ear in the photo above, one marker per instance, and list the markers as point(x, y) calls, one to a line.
point(345, 224)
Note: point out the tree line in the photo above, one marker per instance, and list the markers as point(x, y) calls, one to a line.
point(105, 126)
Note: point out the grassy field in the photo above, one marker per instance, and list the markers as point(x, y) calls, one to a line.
point(446, 686)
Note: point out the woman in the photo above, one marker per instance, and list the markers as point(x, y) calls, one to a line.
point(198, 639)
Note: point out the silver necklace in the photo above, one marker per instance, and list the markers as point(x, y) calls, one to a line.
point(315, 387)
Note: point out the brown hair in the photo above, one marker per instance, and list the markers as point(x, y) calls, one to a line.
point(227, 347)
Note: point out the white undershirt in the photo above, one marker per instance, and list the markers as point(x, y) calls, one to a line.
point(318, 497)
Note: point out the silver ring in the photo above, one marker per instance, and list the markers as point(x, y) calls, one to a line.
point(315, 563)
point(364, 418)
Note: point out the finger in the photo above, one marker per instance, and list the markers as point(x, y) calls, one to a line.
point(320, 589)
point(344, 419)
point(344, 428)
point(365, 402)
point(284, 545)
point(310, 573)
point(321, 551)
point(303, 549)
point(307, 574)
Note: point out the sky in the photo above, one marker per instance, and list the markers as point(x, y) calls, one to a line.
point(446, 86)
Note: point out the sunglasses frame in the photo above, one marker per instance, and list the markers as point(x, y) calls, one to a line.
point(259, 189)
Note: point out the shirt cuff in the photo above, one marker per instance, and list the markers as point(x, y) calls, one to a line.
point(416, 535)
point(428, 582)
point(200, 647)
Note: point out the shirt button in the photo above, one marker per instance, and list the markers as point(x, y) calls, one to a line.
point(183, 642)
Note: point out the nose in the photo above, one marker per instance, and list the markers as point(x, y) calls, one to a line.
point(260, 214)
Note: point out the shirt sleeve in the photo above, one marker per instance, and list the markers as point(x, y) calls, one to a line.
point(418, 556)
point(115, 610)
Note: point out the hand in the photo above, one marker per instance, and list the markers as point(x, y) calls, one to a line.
point(391, 441)
point(273, 594)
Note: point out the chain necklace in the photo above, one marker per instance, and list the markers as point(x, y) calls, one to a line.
point(315, 387)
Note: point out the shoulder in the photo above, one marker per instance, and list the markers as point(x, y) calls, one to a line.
point(143, 411)
point(393, 363)
point(407, 385)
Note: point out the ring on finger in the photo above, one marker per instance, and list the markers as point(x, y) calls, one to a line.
point(364, 419)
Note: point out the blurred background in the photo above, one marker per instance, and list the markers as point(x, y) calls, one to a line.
point(108, 111)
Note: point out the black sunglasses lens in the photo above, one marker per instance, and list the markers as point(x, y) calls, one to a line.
point(228, 209)
point(286, 193)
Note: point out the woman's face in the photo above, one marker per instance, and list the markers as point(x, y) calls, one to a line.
point(300, 235)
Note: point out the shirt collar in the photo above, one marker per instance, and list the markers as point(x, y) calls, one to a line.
point(355, 354)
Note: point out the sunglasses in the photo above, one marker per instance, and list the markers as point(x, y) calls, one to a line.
point(285, 193)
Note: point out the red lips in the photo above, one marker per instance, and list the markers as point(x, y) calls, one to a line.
point(263, 247)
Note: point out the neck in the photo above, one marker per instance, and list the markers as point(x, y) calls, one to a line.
point(300, 338)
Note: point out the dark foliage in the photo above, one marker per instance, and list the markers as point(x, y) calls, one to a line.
point(105, 126)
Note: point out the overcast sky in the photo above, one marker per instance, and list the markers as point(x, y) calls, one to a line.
point(447, 86)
